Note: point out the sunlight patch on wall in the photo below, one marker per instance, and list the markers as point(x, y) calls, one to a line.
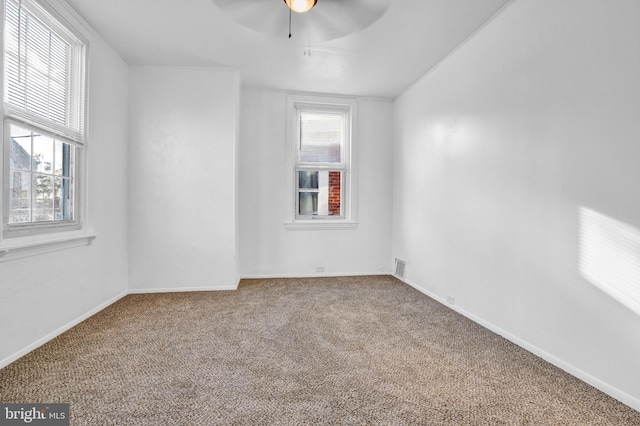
point(610, 256)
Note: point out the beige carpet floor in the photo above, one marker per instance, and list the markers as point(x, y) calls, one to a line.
point(343, 351)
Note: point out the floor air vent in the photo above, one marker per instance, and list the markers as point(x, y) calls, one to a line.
point(400, 267)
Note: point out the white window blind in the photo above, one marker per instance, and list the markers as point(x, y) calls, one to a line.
point(44, 71)
point(321, 137)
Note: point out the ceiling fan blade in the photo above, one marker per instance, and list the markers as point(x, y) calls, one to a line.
point(357, 13)
point(366, 7)
point(332, 19)
point(321, 28)
point(328, 20)
point(265, 17)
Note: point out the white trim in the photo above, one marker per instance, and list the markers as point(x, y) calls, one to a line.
point(621, 396)
point(25, 118)
point(22, 352)
point(181, 289)
point(312, 275)
point(41, 246)
point(68, 17)
point(68, 20)
point(612, 391)
point(320, 224)
point(11, 358)
point(348, 105)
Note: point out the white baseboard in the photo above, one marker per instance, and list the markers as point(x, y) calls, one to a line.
point(593, 381)
point(181, 289)
point(312, 275)
point(612, 391)
point(11, 358)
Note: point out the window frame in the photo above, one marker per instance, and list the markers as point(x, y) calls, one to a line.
point(58, 22)
point(297, 104)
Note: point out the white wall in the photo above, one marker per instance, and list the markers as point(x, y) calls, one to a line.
point(496, 151)
point(181, 178)
point(43, 294)
point(267, 248)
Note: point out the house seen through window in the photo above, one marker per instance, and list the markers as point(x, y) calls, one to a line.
point(40, 180)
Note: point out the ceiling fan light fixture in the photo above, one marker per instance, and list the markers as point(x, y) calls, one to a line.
point(301, 6)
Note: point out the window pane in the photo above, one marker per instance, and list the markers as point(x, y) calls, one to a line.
point(35, 195)
point(42, 153)
point(323, 199)
point(63, 199)
point(58, 157)
point(308, 202)
point(307, 180)
point(42, 198)
point(20, 148)
point(321, 137)
point(63, 157)
point(19, 197)
point(335, 194)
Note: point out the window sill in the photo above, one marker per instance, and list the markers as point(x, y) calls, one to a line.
point(316, 225)
point(36, 247)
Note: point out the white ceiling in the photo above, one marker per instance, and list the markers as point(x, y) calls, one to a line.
point(378, 61)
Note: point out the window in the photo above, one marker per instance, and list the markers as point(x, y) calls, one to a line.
point(43, 121)
point(321, 134)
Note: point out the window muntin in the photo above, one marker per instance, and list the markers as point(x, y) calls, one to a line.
point(44, 109)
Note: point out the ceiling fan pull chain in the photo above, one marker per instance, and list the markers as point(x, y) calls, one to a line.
point(289, 22)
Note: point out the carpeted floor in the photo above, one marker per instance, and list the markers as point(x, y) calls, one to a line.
point(358, 350)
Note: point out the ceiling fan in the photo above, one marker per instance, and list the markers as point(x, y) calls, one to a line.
point(319, 20)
